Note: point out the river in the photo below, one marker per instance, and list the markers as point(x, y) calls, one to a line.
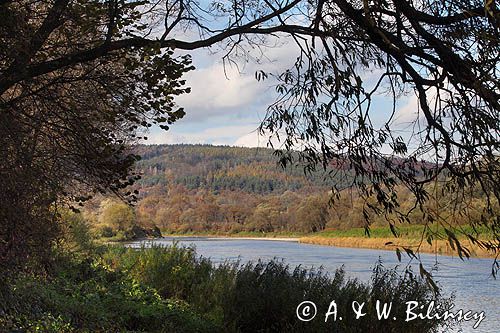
point(470, 280)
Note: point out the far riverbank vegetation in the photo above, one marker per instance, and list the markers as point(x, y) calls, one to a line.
point(214, 190)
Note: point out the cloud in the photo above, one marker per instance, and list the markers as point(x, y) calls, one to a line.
point(253, 139)
point(219, 90)
point(221, 135)
point(211, 90)
point(408, 113)
point(227, 104)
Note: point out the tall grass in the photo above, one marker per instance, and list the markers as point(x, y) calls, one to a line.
point(87, 297)
point(263, 296)
point(406, 232)
point(172, 289)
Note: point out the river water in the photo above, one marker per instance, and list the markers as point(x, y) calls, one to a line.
point(470, 280)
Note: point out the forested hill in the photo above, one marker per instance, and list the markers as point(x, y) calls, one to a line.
point(202, 188)
point(217, 168)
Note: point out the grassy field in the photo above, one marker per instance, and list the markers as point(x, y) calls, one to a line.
point(409, 237)
point(412, 232)
point(405, 232)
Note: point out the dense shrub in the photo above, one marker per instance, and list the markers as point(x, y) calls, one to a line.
point(263, 296)
point(176, 272)
point(172, 289)
point(107, 232)
point(85, 297)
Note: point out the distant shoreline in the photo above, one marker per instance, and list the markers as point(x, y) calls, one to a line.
point(229, 237)
point(439, 247)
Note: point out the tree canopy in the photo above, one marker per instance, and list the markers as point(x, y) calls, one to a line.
point(79, 78)
point(446, 54)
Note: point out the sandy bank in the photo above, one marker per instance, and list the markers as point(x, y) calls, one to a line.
point(439, 247)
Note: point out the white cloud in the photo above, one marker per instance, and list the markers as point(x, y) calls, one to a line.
point(213, 91)
point(253, 139)
point(222, 135)
point(408, 113)
point(218, 90)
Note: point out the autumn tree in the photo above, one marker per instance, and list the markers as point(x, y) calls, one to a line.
point(116, 215)
point(65, 133)
point(312, 213)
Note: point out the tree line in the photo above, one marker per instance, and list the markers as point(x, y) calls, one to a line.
point(214, 201)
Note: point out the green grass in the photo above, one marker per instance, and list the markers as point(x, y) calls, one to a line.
point(405, 232)
point(87, 296)
point(263, 296)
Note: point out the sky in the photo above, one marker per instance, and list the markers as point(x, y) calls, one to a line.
point(227, 103)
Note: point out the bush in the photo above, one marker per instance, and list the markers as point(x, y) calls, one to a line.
point(263, 296)
point(107, 232)
point(174, 272)
point(171, 289)
point(87, 297)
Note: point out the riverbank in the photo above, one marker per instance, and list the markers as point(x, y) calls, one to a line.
point(380, 239)
point(229, 237)
point(439, 247)
point(178, 289)
point(410, 236)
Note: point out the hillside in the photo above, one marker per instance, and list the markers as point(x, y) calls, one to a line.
point(218, 168)
point(217, 189)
